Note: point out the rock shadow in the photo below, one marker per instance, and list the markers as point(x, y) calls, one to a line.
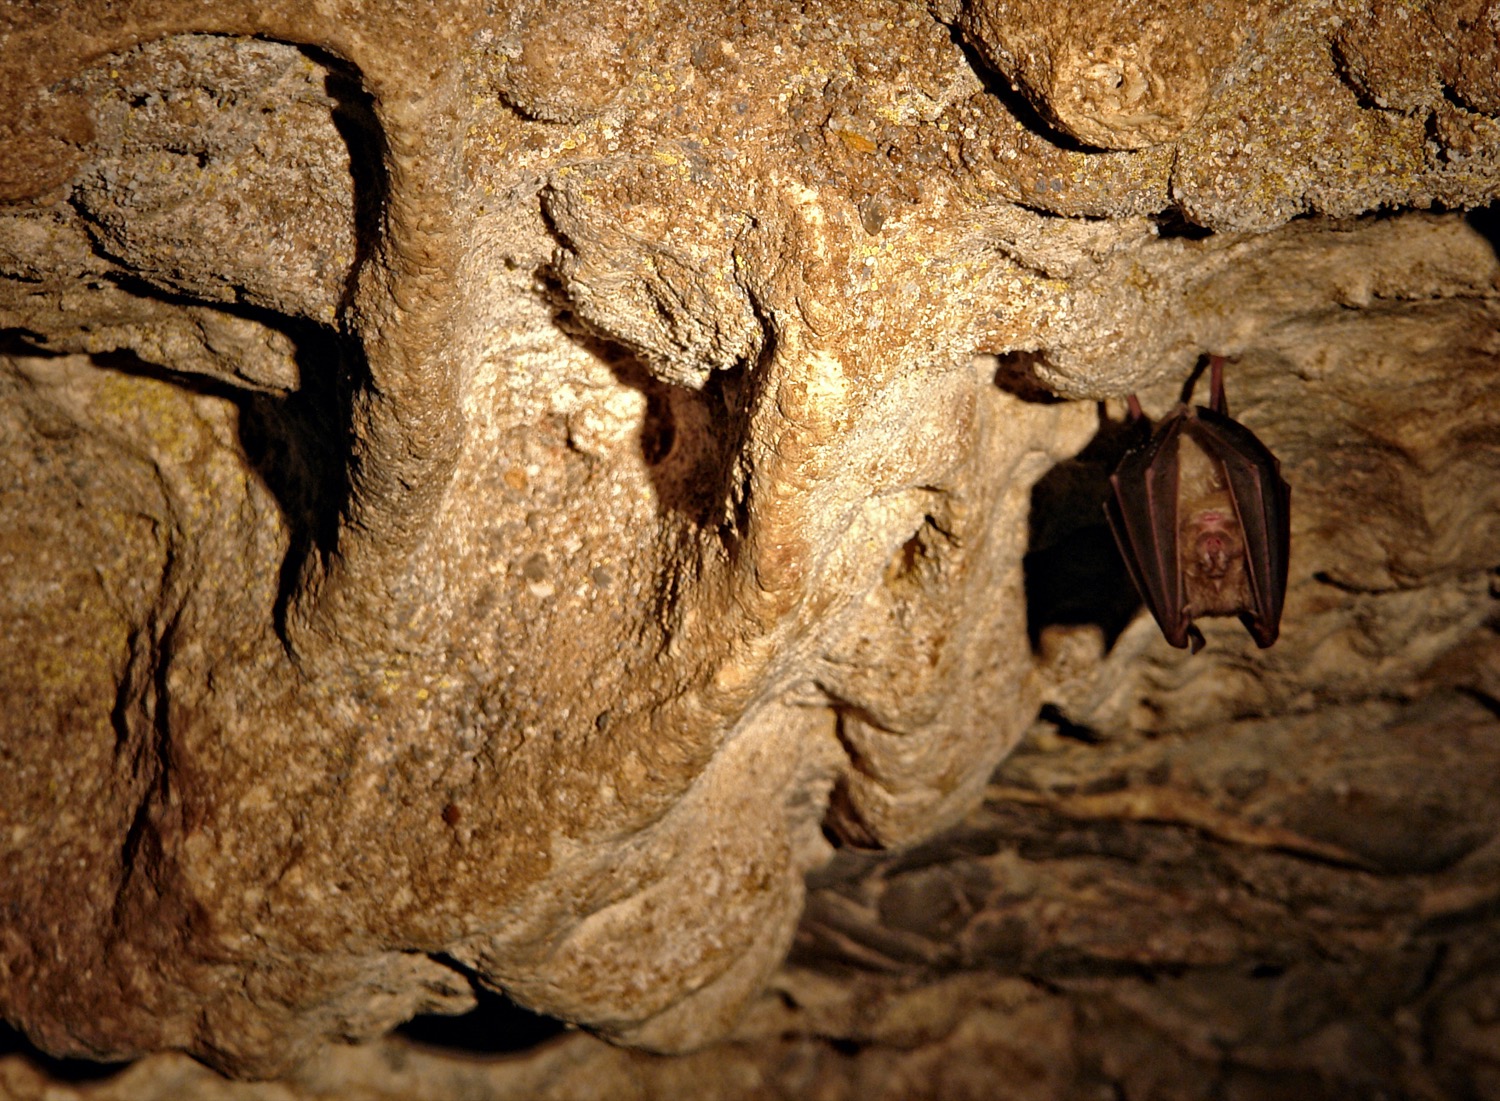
point(495, 1026)
point(79, 1072)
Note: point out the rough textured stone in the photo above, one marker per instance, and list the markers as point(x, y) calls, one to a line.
point(493, 496)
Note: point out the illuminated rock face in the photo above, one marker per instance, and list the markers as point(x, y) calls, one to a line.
point(496, 494)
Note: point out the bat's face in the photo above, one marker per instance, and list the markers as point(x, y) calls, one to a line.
point(1211, 542)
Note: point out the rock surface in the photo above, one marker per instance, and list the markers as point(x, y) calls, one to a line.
point(496, 502)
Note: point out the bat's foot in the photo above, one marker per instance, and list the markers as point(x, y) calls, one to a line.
point(1216, 399)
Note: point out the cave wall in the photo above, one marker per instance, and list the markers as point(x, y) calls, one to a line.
point(502, 499)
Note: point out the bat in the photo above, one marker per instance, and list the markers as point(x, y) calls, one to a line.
point(1202, 518)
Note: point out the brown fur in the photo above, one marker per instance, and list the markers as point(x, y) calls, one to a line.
point(1210, 541)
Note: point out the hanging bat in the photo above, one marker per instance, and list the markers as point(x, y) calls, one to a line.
point(1202, 518)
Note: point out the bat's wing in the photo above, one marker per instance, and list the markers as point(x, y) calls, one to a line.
point(1263, 501)
point(1142, 511)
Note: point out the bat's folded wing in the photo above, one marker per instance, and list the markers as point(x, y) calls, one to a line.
point(1142, 510)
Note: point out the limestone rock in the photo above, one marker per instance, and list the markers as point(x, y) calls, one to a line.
point(495, 496)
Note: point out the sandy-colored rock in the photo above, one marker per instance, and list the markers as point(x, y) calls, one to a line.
point(493, 497)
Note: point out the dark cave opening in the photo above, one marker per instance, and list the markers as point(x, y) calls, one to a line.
point(495, 1026)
